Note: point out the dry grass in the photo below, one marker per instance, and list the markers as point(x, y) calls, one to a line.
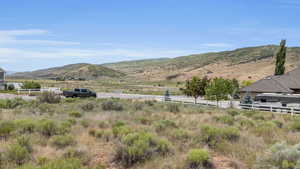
point(181, 129)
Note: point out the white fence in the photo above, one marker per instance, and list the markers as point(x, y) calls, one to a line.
point(270, 108)
point(50, 89)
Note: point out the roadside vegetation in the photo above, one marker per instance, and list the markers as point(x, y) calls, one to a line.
point(51, 133)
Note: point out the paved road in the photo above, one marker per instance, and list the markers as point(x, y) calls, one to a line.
point(222, 104)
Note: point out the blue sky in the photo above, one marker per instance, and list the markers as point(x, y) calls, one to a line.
point(38, 34)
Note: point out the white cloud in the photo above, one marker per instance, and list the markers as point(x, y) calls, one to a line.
point(10, 37)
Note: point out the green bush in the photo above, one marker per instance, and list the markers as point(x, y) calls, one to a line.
point(75, 114)
point(31, 85)
point(88, 107)
point(213, 135)
point(48, 127)
point(103, 124)
point(231, 133)
point(180, 134)
point(49, 97)
point(17, 154)
point(26, 125)
point(233, 112)
point(85, 123)
point(62, 163)
point(112, 105)
point(164, 124)
point(198, 158)
point(226, 119)
point(281, 156)
point(78, 153)
point(139, 147)
point(62, 141)
point(11, 103)
point(25, 142)
point(6, 128)
point(121, 130)
point(296, 125)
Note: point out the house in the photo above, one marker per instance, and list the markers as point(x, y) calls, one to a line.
point(2, 79)
point(288, 83)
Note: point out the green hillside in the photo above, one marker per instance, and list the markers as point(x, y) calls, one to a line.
point(238, 56)
point(73, 71)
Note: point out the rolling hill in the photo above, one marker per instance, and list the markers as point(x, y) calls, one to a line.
point(73, 71)
point(251, 63)
point(244, 63)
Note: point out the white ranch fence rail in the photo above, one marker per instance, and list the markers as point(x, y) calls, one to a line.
point(270, 108)
point(50, 89)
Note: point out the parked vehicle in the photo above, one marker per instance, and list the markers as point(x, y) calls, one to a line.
point(79, 92)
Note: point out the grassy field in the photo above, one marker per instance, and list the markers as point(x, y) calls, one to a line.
point(50, 133)
point(111, 85)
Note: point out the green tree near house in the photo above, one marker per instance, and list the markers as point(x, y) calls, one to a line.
point(195, 87)
point(280, 58)
point(220, 88)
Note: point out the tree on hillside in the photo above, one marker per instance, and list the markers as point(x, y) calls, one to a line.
point(195, 87)
point(280, 58)
point(220, 89)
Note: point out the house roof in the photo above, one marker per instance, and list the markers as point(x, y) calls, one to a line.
point(2, 70)
point(276, 84)
point(267, 85)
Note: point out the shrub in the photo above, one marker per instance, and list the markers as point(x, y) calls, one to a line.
point(150, 102)
point(138, 106)
point(231, 133)
point(31, 85)
point(17, 154)
point(6, 128)
point(24, 141)
point(296, 125)
point(103, 124)
point(173, 108)
point(62, 141)
point(164, 124)
point(11, 103)
point(48, 127)
point(78, 153)
point(233, 112)
point(88, 107)
point(49, 97)
point(121, 130)
point(280, 156)
point(213, 135)
point(225, 119)
point(70, 163)
point(25, 125)
point(140, 146)
point(92, 132)
point(265, 128)
point(112, 105)
point(180, 134)
point(75, 114)
point(85, 123)
point(198, 158)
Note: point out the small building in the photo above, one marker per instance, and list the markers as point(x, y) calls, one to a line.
point(2, 79)
point(288, 83)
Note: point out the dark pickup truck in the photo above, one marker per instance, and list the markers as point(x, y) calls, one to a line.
point(79, 93)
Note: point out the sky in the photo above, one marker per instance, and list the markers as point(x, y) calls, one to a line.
point(36, 34)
